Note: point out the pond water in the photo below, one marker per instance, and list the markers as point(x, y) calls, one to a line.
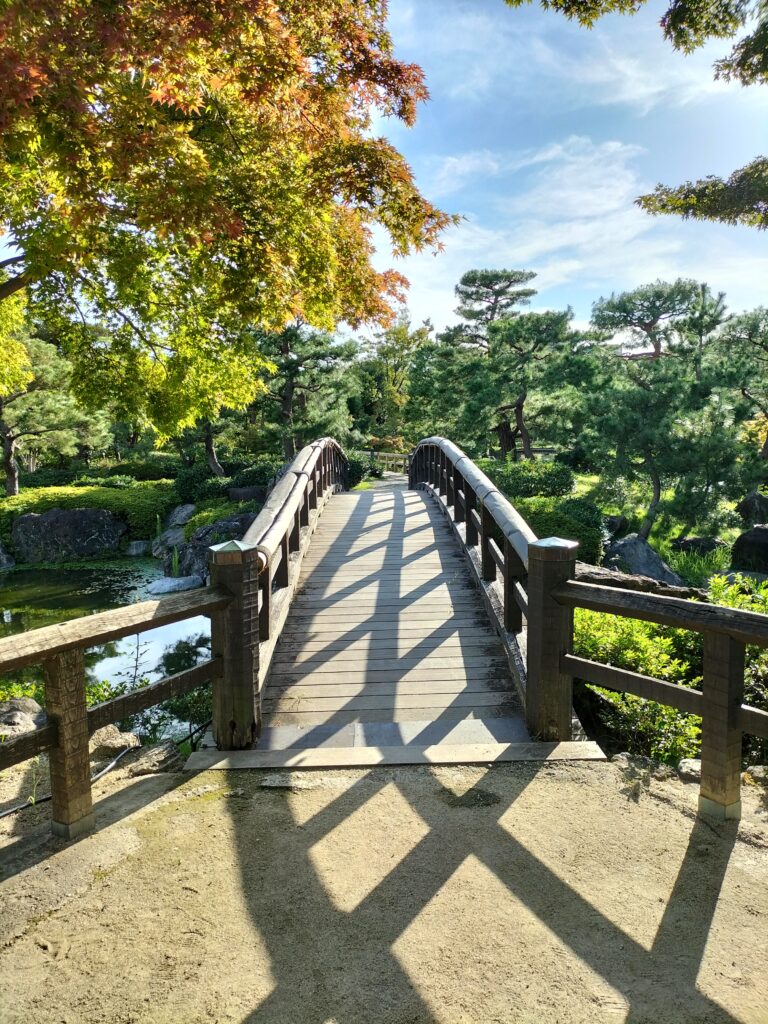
point(30, 598)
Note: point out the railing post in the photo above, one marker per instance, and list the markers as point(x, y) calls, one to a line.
point(548, 696)
point(488, 565)
point(722, 694)
point(513, 570)
point(72, 803)
point(442, 485)
point(459, 504)
point(235, 568)
point(450, 491)
point(470, 507)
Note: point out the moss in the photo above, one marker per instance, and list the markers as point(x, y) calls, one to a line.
point(211, 511)
point(138, 506)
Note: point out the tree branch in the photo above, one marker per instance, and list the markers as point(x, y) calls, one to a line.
point(14, 284)
point(11, 261)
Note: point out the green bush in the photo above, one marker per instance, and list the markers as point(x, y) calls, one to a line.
point(548, 518)
point(259, 474)
point(529, 478)
point(196, 483)
point(138, 506)
point(643, 726)
point(360, 466)
point(217, 508)
point(119, 482)
point(157, 466)
point(48, 476)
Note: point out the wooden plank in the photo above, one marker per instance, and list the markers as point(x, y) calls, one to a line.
point(147, 696)
point(623, 681)
point(354, 650)
point(15, 749)
point(339, 687)
point(460, 672)
point(747, 627)
point(430, 661)
point(364, 702)
point(91, 630)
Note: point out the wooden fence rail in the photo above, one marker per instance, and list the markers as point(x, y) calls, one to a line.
point(252, 582)
point(393, 462)
point(538, 585)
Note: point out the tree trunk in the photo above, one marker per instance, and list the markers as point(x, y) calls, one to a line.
point(522, 429)
point(10, 464)
point(506, 441)
point(210, 451)
point(650, 516)
point(286, 415)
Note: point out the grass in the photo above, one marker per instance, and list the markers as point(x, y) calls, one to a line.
point(364, 485)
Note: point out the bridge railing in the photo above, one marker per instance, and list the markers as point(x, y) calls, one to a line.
point(538, 584)
point(393, 462)
point(252, 582)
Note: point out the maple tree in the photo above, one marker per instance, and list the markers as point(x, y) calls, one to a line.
point(176, 172)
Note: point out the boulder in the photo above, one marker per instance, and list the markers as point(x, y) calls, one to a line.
point(174, 584)
point(180, 515)
point(6, 562)
point(137, 548)
point(19, 715)
point(634, 555)
point(604, 577)
point(615, 525)
point(750, 550)
point(61, 534)
point(757, 774)
point(160, 757)
point(753, 508)
point(689, 769)
point(169, 539)
point(107, 742)
point(698, 545)
point(193, 556)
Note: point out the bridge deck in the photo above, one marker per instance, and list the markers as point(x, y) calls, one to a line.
point(387, 642)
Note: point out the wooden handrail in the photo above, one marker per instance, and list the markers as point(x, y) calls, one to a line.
point(252, 582)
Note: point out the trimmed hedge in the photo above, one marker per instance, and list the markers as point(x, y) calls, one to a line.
point(259, 474)
point(158, 466)
point(360, 466)
point(529, 479)
point(139, 506)
point(571, 520)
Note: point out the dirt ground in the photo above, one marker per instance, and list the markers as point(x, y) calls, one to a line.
point(553, 894)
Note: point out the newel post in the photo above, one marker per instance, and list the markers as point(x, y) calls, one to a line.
point(71, 800)
point(235, 568)
point(722, 694)
point(548, 695)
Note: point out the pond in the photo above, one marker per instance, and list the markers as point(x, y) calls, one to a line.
point(30, 598)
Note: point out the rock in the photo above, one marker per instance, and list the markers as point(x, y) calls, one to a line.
point(634, 555)
point(698, 545)
point(615, 525)
point(107, 742)
point(757, 774)
point(61, 534)
point(689, 769)
point(180, 515)
point(6, 562)
point(753, 508)
point(256, 493)
point(167, 541)
point(750, 550)
point(193, 556)
point(160, 757)
point(175, 584)
point(19, 715)
point(604, 577)
point(137, 548)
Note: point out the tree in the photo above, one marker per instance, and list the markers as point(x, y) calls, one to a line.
point(742, 197)
point(384, 375)
point(176, 173)
point(706, 316)
point(648, 315)
point(307, 397)
point(15, 369)
point(486, 296)
point(743, 350)
point(42, 415)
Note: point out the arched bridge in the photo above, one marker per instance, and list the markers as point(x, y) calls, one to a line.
point(418, 621)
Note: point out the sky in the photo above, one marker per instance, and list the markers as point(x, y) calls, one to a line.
point(541, 133)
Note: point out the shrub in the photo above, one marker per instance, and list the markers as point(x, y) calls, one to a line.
point(104, 481)
point(548, 518)
point(529, 479)
point(218, 508)
point(259, 473)
point(196, 483)
point(138, 506)
point(360, 466)
point(157, 466)
point(48, 476)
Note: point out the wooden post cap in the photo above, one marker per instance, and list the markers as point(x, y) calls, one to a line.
point(552, 549)
point(234, 551)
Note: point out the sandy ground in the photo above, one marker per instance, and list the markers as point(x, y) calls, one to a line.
point(518, 893)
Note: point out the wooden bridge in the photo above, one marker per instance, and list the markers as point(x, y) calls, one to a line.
point(420, 621)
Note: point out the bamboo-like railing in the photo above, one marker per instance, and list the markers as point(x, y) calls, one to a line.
point(252, 582)
point(538, 583)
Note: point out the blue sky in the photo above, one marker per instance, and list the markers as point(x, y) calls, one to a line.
point(541, 133)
